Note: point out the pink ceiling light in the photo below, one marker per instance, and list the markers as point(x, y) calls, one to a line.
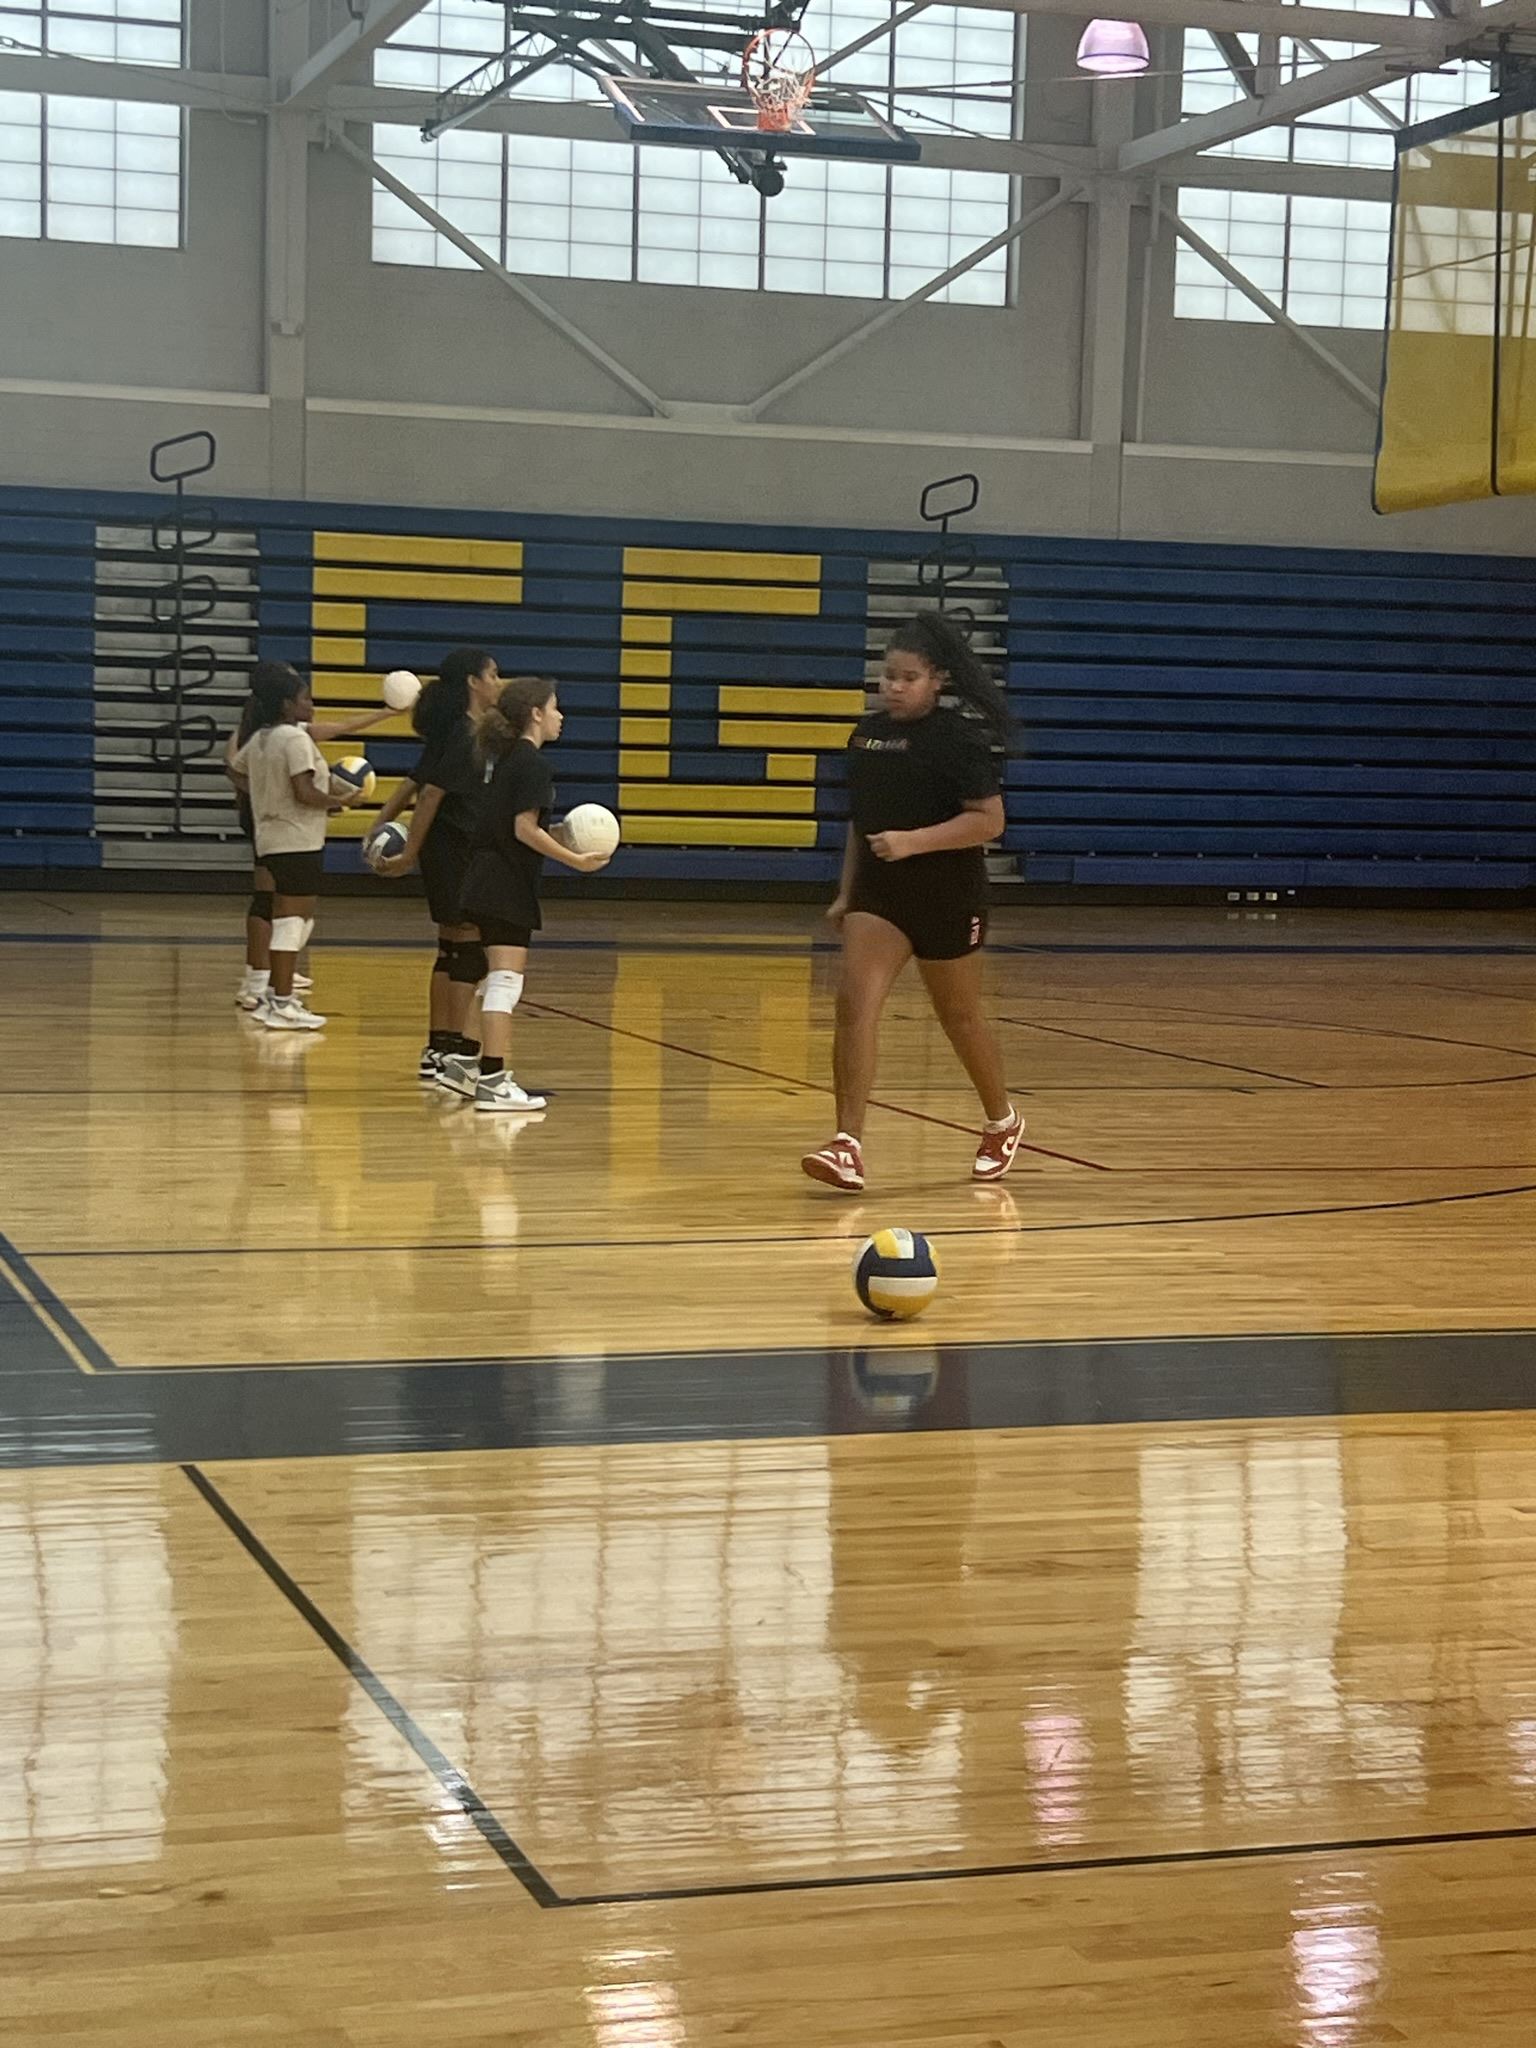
point(1114, 49)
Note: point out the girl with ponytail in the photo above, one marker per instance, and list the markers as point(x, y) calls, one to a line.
point(512, 841)
point(924, 799)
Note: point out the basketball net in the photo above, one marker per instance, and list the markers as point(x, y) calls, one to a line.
point(778, 69)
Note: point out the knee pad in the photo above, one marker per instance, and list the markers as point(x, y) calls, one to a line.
point(309, 932)
point(443, 964)
point(260, 905)
point(467, 962)
point(502, 993)
point(288, 934)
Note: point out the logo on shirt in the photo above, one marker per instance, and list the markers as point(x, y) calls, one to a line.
point(873, 746)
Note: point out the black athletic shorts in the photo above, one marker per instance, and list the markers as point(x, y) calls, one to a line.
point(495, 931)
point(444, 863)
point(935, 928)
point(294, 874)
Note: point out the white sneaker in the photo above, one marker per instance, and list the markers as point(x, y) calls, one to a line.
point(302, 984)
point(248, 998)
point(504, 1094)
point(287, 1013)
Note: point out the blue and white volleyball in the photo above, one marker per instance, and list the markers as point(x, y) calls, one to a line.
point(896, 1274)
point(385, 844)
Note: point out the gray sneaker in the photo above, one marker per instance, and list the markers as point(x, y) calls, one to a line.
point(459, 1073)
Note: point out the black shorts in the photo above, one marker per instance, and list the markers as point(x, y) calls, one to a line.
point(444, 863)
point(294, 874)
point(934, 928)
point(495, 931)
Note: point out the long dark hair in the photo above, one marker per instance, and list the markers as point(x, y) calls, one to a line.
point(274, 685)
point(940, 642)
point(504, 724)
point(444, 702)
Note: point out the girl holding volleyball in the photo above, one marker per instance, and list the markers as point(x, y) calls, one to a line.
point(291, 799)
point(924, 798)
point(256, 980)
point(512, 841)
point(444, 789)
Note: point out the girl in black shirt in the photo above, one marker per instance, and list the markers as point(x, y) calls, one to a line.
point(445, 787)
point(512, 841)
point(924, 798)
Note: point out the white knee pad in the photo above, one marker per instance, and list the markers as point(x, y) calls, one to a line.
point(501, 991)
point(309, 933)
point(288, 935)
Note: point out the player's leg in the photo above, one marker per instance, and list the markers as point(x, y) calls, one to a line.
point(256, 981)
point(954, 989)
point(874, 953)
point(296, 881)
point(500, 994)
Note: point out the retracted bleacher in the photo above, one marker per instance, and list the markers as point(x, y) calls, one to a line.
point(1193, 716)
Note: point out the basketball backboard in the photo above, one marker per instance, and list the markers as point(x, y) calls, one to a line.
point(719, 115)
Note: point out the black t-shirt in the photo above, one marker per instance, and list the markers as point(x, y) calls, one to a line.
point(450, 763)
point(503, 876)
point(906, 774)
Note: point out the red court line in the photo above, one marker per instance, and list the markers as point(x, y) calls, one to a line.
point(794, 1081)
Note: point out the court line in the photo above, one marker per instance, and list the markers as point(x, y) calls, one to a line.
point(1157, 1052)
point(1165, 1860)
point(795, 1237)
point(66, 1330)
point(817, 1087)
point(450, 1779)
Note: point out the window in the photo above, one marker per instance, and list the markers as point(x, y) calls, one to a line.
point(554, 208)
point(88, 170)
point(1324, 261)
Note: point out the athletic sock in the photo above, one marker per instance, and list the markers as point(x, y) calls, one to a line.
point(490, 1067)
point(469, 1047)
point(1006, 1122)
point(442, 1041)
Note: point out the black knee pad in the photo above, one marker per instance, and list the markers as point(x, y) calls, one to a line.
point(443, 964)
point(260, 905)
point(469, 962)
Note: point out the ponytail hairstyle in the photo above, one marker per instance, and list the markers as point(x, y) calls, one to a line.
point(937, 640)
point(444, 702)
point(508, 719)
point(274, 685)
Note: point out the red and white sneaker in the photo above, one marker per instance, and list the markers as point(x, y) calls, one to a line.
point(996, 1151)
point(839, 1165)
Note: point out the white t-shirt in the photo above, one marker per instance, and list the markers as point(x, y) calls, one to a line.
point(269, 760)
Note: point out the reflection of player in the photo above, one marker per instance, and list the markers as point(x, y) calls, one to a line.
point(924, 799)
point(501, 887)
point(444, 789)
point(290, 790)
point(257, 978)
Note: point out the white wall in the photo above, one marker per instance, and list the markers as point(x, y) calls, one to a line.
point(440, 387)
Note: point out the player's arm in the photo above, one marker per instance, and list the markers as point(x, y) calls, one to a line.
point(405, 795)
point(428, 803)
point(980, 822)
point(307, 791)
point(232, 747)
point(362, 721)
point(531, 833)
point(837, 909)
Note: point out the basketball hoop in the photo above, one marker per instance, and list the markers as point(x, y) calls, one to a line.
point(778, 69)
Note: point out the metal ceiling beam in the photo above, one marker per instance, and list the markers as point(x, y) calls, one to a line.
point(83, 78)
point(1244, 17)
point(1357, 388)
point(1237, 60)
point(347, 51)
point(519, 287)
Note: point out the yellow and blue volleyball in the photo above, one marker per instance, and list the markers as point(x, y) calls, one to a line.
point(355, 772)
point(896, 1274)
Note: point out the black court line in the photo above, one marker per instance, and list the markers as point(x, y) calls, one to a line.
point(520, 1865)
point(1168, 1859)
point(450, 1779)
point(588, 1244)
point(1158, 1052)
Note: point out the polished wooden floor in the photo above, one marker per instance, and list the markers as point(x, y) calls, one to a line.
point(1217, 1731)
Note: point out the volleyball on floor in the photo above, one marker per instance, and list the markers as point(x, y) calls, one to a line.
point(388, 843)
point(355, 772)
point(401, 689)
point(591, 829)
point(896, 1274)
